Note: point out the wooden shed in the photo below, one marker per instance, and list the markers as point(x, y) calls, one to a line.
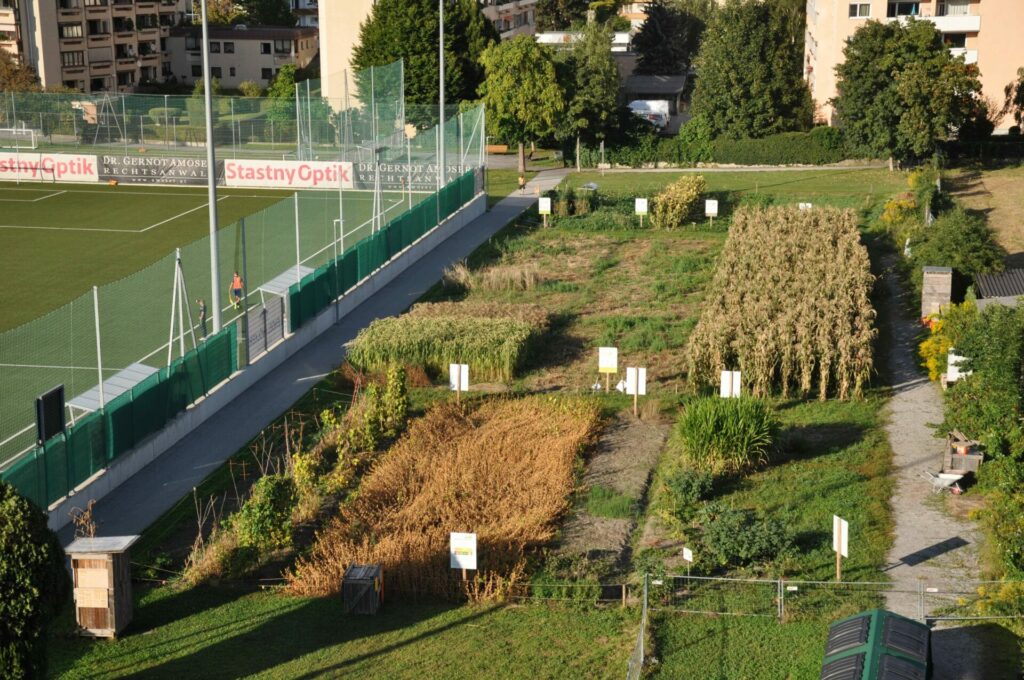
point(103, 586)
point(962, 454)
point(362, 590)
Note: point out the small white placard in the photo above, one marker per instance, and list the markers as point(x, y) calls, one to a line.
point(636, 381)
point(711, 208)
point(620, 386)
point(688, 555)
point(730, 384)
point(544, 205)
point(462, 551)
point(641, 206)
point(953, 372)
point(458, 377)
point(607, 359)
point(805, 206)
point(840, 535)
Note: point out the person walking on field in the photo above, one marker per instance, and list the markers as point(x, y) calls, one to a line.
point(236, 290)
point(202, 317)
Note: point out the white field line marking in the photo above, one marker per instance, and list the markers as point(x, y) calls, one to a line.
point(32, 200)
point(71, 368)
point(43, 198)
point(171, 219)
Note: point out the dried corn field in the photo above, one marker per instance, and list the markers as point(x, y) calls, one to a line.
point(534, 315)
point(504, 469)
point(789, 305)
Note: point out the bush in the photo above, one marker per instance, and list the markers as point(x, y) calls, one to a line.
point(820, 146)
point(163, 116)
point(33, 585)
point(944, 334)
point(724, 435)
point(250, 88)
point(265, 519)
point(685, 490)
point(695, 143)
point(960, 240)
point(739, 538)
point(678, 202)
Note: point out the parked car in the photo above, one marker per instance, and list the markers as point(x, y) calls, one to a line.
point(652, 112)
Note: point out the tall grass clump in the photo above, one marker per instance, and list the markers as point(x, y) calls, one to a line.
point(504, 469)
point(724, 435)
point(789, 305)
point(534, 315)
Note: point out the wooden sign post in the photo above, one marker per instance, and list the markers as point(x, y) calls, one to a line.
point(636, 385)
point(641, 210)
point(608, 363)
point(840, 543)
point(458, 380)
point(544, 208)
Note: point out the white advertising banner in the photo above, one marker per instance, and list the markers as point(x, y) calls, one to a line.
point(48, 167)
point(288, 174)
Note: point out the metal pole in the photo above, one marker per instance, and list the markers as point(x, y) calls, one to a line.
point(298, 255)
point(298, 123)
point(124, 125)
point(234, 140)
point(440, 127)
point(408, 160)
point(99, 350)
point(182, 301)
point(341, 211)
point(211, 174)
point(245, 298)
point(167, 124)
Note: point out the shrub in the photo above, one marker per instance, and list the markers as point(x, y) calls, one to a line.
point(33, 585)
point(724, 435)
point(960, 240)
point(688, 487)
point(944, 335)
point(265, 519)
point(162, 116)
point(738, 538)
point(394, 403)
point(695, 141)
point(250, 88)
point(678, 202)
point(820, 146)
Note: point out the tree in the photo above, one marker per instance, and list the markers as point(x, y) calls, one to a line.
point(268, 12)
point(199, 89)
point(15, 76)
point(408, 30)
point(521, 92)
point(592, 88)
point(33, 585)
point(559, 15)
point(1015, 98)
point(667, 40)
point(220, 11)
point(749, 70)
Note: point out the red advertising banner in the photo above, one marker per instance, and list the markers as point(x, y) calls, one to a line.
point(46, 167)
point(288, 174)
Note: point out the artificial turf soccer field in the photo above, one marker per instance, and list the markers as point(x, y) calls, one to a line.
point(57, 241)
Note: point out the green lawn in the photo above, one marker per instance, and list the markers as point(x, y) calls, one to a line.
point(227, 633)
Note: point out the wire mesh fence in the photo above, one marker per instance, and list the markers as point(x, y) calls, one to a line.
point(635, 666)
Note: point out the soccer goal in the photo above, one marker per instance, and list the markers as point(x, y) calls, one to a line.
point(18, 138)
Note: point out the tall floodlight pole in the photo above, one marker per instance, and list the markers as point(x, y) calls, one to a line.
point(211, 174)
point(440, 125)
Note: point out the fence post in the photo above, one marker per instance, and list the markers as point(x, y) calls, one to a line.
point(625, 589)
point(99, 353)
point(920, 600)
point(782, 600)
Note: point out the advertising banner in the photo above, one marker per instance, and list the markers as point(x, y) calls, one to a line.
point(167, 170)
point(288, 174)
point(47, 167)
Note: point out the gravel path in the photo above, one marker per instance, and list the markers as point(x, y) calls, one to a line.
point(930, 545)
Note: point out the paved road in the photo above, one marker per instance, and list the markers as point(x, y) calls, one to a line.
point(146, 496)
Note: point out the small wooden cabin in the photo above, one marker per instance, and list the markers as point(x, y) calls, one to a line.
point(103, 586)
point(362, 590)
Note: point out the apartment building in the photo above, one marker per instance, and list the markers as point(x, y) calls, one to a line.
point(511, 18)
point(983, 32)
point(240, 53)
point(307, 12)
point(91, 45)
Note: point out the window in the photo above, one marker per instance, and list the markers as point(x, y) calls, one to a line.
point(267, 74)
point(231, 71)
point(955, 40)
point(71, 30)
point(283, 46)
point(197, 71)
point(859, 10)
point(264, 48)
point(72, 58)
point(192, 43)
point(229, 48)
point(214, 47)
point(954, 8)
point(216, 72)
point(904, 9)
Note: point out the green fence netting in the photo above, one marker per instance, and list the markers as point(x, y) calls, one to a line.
point(47, 473)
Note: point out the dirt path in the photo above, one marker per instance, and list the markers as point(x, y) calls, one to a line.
point(626, 454)
point(930, 544)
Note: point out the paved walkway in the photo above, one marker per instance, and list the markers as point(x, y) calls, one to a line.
point(930, 544)
point(146, 496)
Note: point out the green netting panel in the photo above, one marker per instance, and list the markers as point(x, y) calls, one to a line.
point(467, 187)
point(295, 318)
point(120, 425)
point(149, 410)
point(55, 458)
point(196, 373)
point(393, 238)
point(311, 299)
point(86, 443)
point(220, 356)
point(349, 270)
point(28, 476)
point(178, 394)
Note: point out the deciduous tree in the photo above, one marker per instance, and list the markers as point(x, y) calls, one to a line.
point(15, 76)
point(592, 87)
point(268, 12)
point(560, 15)
point(667, 41)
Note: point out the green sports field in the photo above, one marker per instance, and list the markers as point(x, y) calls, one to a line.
point(58, 241)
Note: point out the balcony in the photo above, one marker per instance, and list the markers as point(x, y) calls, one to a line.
point(101, 68)
point(968, 23)
point(970, 56)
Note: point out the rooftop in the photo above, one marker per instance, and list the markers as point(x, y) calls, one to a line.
point(1009, 283)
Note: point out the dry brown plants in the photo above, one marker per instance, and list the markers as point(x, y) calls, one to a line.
point(503, 468)
point(789, 305)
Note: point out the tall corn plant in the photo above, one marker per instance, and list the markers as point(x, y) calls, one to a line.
point(724, 435)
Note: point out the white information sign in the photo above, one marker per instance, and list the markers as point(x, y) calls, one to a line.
point(607, 359)
point(462, 551)
point(730, 384)
point(805, 206)
point(840, 535)
point(458, 377)
point(711, 208)
point(688, 555)
point(544, 205)
point(641, 206)
point(636, 381)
